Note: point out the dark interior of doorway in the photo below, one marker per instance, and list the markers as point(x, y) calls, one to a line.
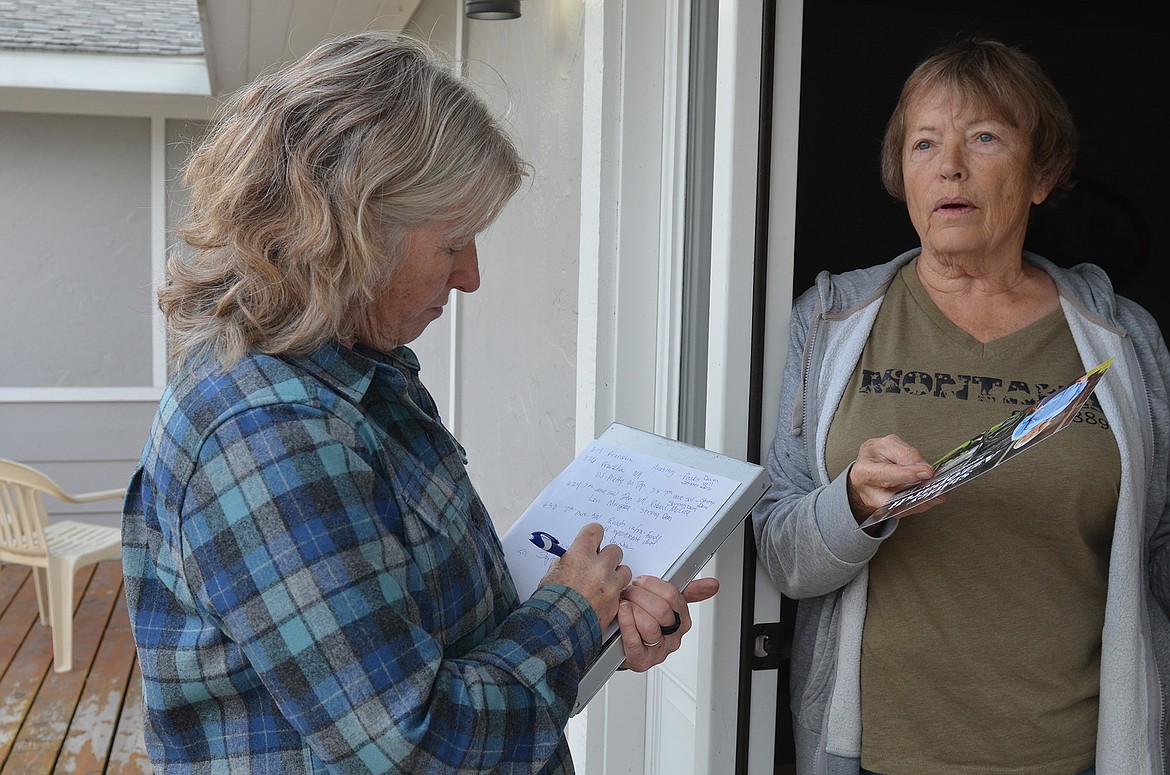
point(1112, 64)
point(1111, 61)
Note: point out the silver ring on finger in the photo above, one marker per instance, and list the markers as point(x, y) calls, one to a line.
point(652, 645)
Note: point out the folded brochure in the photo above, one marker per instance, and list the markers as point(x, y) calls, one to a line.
point(1022, 430)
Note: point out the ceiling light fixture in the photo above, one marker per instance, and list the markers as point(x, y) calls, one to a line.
point(493, 9)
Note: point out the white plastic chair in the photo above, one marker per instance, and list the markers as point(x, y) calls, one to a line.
point(54, 551)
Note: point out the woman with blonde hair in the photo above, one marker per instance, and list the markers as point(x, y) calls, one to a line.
point(313, 582)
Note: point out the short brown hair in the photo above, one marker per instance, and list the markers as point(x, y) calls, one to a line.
point(1008, 83)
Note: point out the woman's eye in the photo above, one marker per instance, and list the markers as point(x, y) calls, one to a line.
point(985, 137)
point(921, 145)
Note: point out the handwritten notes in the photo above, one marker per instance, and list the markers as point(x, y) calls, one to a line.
point(653, 508)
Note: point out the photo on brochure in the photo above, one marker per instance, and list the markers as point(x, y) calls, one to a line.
point(1022, 430)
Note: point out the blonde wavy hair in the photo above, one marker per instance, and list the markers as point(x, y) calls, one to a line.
point(1007, 83)
point(305, 192)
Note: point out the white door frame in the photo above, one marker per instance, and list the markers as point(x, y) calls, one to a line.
point(734, 213)
point(779, 294)
point(633, 159)
point(633, 145)
point(733, 250)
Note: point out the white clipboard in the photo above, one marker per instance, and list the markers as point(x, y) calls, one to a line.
point(748, 482)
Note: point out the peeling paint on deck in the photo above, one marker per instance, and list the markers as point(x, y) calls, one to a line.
point(87, 720)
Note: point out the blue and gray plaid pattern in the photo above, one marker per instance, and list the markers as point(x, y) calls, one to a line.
point(314, 584)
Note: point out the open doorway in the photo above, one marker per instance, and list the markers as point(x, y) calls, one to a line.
point(1110, 62)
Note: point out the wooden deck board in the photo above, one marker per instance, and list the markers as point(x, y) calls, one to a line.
point(34, 656)
point(128, 755)
point(87, 720)
point(91, 735)
point(18, 614)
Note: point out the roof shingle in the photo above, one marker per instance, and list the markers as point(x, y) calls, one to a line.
point(157, 27)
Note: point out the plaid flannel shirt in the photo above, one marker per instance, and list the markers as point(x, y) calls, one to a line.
point(314, 584)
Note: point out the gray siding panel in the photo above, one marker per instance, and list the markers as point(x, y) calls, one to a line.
point(75, 217)
point(84, 447)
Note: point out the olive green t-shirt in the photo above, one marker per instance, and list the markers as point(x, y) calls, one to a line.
point(982, 642)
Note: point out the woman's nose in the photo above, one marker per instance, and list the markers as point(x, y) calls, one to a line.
point(952, 165)
point(465, 271)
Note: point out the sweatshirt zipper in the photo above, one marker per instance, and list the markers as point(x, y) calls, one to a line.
point(808, 358)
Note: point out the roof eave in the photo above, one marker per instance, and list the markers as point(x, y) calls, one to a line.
point(117, 73)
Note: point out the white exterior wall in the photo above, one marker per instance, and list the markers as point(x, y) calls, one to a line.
point(513, 348)
point(520, 331)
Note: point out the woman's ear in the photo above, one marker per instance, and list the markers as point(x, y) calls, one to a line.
point(1040, 192)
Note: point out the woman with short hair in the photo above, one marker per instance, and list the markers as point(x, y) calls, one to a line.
point(1020, 627)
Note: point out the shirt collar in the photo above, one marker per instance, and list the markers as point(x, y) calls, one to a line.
point(351, 371)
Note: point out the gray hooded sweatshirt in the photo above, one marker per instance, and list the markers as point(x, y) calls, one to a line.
point(807, 539)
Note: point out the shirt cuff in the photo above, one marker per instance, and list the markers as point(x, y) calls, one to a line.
point(568, 612)
point(839, 528)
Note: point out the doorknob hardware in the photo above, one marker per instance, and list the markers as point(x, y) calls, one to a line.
point(767, 646)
